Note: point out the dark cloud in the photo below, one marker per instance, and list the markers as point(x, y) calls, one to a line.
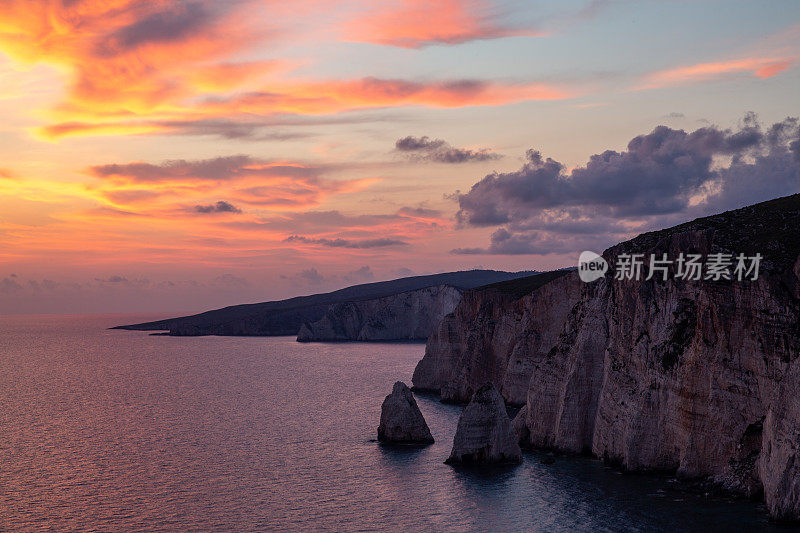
point(43, 285)
point(9, 285)
point(440, 151)
point(224, 168)
point(514, 242)
point(419, 212)
point(112, 279)
point(174, 24)
point(469, 251)
point(311, 276)
point(218, 168)
point(316, 222)
point(361, 275)
point(663, 176)
point(237, 127)
point(411, 144)
point(347, 243)
point(230, 129)
point(256, 182)
point(230, 281)
point(219, 207)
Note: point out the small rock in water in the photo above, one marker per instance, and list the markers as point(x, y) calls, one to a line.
point(484, 434)
point(401, 420)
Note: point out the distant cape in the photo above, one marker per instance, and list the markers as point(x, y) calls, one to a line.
point(286, 317)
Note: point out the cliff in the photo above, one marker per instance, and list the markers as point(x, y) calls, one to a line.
point(491, 336)
point(285, 317)
point(410, 315)
point(696, 377)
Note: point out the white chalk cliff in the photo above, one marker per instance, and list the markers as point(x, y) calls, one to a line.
point(410, 315)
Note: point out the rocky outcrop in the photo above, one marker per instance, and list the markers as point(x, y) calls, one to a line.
point(401, 420)
point(484, 435)
point(700, 378)
point(410, 315)
point(496, 334)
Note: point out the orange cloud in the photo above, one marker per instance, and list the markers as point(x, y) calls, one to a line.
point(417, 23)
point(319, 98)
point(332, 229)
point(276, 185)
point(137, 68)
point(128, 58)
point(227, 76)
point(701, 72)
point(336, 96)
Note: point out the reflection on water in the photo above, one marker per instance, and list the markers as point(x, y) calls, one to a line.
point(115, 430)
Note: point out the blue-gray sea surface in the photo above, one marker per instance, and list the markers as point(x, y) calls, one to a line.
point(122, 431)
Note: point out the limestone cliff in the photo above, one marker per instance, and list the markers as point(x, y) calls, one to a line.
point(410, 315)
point(697, 377)
point(495, 334)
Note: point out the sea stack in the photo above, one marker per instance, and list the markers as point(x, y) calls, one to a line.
point(485, 435)
point(401, 420)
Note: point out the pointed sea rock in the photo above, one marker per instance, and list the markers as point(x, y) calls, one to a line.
point(485, 434)
point(401, 420)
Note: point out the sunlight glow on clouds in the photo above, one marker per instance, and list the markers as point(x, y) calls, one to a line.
point(756, 67)
point(135, 66)
point(321, 141)
point(418, 23)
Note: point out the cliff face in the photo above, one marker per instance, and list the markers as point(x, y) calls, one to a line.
point(406, 316)
point(697, 377)
point(495, 335)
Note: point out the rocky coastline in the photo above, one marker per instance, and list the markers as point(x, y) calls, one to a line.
point(697, 378)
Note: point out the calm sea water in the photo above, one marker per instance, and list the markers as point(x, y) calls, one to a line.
point(123, 431)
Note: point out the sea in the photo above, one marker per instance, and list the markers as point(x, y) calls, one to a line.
point(110, 430)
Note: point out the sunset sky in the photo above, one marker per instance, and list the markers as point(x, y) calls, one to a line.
point(172, 156)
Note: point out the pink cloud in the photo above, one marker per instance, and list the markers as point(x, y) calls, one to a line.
point(703, 72)
point(418, 23)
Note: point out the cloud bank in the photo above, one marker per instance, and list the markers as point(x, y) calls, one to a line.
point(347, 243)
point(440, 151)
point(219, 207)
point(662, 177)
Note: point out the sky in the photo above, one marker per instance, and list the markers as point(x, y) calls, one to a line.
point(173, 156)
